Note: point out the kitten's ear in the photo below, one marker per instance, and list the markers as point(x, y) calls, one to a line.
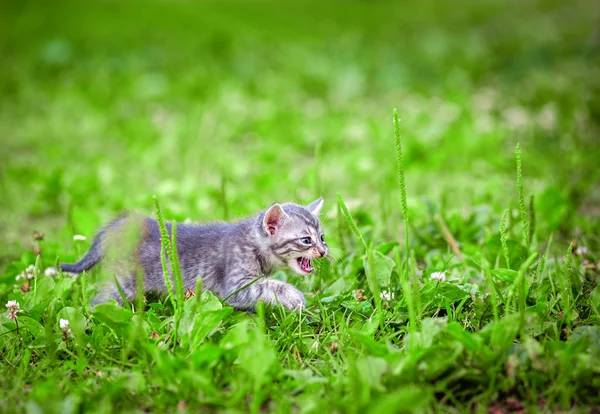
point(274, 216)
point(315, 206)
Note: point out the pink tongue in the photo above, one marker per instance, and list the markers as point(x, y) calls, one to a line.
point(306, 264)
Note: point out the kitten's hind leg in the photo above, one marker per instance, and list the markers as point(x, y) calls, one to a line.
point(269, 291)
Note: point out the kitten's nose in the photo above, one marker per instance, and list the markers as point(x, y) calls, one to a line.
point(322, 251)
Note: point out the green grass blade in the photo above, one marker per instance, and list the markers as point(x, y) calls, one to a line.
point(84, 294)
point(165, 246)
point(532, 219)
point(177, 278)
point(36, 275)
point(351, 222)
point(224, 300)
point(566, 286)
point(175, 268)
point(522, 209)
point(504, 237)
point(122, 293)
point(402, 184)
point(407, 287)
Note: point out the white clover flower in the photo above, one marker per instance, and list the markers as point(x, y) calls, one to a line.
point(387, 296)
point(581, 250)
point(79, 237)
point(27, 274)
point(438, 276)
point(64, 325)
point(13, 308)
point(50, 272)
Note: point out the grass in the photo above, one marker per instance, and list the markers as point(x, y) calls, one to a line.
point(220, 109)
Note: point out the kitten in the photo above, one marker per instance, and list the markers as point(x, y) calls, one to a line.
point(226, 256)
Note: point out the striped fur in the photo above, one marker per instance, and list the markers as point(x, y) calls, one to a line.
point(226, 256)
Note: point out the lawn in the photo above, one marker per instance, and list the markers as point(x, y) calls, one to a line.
point(220, 109)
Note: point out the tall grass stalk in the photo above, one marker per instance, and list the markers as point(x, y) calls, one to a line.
point(351, 222)
point(340, 228)
point(253, 281)
point(371, 276)
point(126, 303)
point(569, 265)
point(504, 237)
point(540, 269)
point(36, 275)
point(402, 183)
point(169, 251)
point(164, 243)
point(522, 209)
point(532, 219)
point(407, 286)
point(415, 285)
point(84, 293)
point(177, 278)
point(542, 264)
point(175, 268)
point(565, 286)
point(407, 290)
point(167, 277)
point(547, 253)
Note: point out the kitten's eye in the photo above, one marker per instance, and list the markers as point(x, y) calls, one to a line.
point(323, 238)
point(305, 240)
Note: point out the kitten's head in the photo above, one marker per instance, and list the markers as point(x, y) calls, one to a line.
point(293, 235)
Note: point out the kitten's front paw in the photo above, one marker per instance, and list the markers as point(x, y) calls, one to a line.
point(290, 297)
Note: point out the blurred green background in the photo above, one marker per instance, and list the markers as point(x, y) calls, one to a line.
point(221, 108)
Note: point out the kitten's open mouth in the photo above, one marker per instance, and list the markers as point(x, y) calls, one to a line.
point(304, 264)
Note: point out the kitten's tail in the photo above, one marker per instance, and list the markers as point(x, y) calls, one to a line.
point(128, 227)
point(91, 258)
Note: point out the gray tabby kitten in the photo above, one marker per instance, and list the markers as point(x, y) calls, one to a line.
point(226, 256)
